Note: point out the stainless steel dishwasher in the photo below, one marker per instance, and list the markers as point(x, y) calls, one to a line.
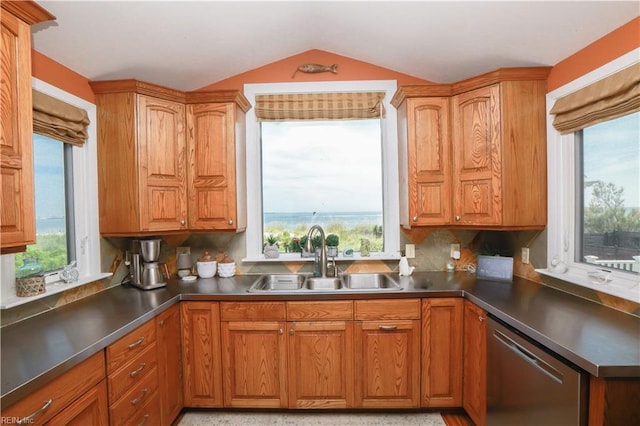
point(528, 385)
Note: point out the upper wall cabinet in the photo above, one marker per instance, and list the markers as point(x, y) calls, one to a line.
point(216, 161)
point(473, 154)
point(17, 214)
point(168, 161)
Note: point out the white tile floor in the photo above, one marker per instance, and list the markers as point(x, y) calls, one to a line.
point(209, 418)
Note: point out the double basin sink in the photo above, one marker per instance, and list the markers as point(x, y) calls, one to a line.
point(297, 283)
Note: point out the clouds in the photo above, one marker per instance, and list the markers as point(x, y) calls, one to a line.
point(322, 166)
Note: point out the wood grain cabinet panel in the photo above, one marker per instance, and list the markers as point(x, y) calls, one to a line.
point(216, 166)
point(474, 387)
point(17, 210)
point(201, 354)
point(168, 344)
point(442, 352)
point(89, 409)
point(321, 364)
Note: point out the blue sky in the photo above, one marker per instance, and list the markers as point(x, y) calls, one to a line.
point(612, 154)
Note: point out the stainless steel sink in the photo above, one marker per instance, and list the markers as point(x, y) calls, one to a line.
point(370, 282)
point(297, 283)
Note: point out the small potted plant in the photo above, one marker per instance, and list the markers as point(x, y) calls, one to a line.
point(332, 241)
point(271, 250)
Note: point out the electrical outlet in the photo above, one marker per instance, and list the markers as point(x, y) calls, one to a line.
point(454, 248)
point(525, 255)
point(180, 250)
point(410, 251)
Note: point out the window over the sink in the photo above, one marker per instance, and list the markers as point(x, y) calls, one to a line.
point(341, 174)
point(593, 180)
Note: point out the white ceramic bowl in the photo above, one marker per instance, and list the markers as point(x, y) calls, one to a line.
point(206, 269)
point(227, 269)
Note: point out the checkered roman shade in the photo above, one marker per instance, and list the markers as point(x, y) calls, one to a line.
point(319, 106)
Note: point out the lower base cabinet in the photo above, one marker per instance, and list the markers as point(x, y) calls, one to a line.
point(169, 349)
point(474, 395)
point(89, 409)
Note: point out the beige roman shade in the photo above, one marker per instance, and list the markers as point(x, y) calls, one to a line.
point(609, 98)
point(59, 120)
point(319, 106)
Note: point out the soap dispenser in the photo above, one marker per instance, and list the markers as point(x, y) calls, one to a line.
point(405, 269)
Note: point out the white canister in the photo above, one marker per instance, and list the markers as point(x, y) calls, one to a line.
point(206, 269)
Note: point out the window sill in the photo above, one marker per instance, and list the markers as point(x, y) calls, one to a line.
point(51, 289)
point(626, 289)
point(291, 257)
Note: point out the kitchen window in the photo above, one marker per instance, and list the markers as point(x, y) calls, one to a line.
point(593, 174)
point(340, 174)
point(80, 200)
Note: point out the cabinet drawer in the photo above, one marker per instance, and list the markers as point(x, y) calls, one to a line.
point(60, 392)
point(135, 399)
point(335, 310)
point(148, 414)
point(132, 372)
point(261, 311)
point(387, 309)
point(121, 351)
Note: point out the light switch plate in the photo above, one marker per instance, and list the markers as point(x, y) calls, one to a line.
point(410, 251)
point(525, 255)
point(453, 249)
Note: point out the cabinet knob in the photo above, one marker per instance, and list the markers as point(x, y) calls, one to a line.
point(280, 331)
point(415, 218)
point(161, 323)
point(480, 318)
point(458, 217)
point(183, 222)
point(230, 221)
point(291, 332)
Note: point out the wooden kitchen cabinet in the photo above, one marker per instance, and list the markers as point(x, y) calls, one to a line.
point(473, 153)
point(442, 328)
point(201, 354)
point(217, 162)
point(76, 394)
point(142, 171)
point(254, 354)
point(169, 364)
point(132, 375)
point(425, 164)
point(474, 387)
point(17, 212)
point(387, 348)
point(321, 360)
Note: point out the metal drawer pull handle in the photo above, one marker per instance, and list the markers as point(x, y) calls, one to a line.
point(136, 343)
point(138, 399)
point(134, 373)
point(144, 420)
point(29, 419)
point(388, 327)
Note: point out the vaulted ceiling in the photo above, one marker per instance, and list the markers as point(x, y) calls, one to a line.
point(187, 45)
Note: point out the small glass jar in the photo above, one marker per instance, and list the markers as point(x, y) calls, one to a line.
point(30, 268)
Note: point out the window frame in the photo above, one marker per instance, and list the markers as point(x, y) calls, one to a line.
point(562, 197)
point(390, 181)
point(85, 211)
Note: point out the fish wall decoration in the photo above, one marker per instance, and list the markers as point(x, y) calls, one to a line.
point(315, 68)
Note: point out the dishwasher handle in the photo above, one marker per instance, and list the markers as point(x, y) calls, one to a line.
point(529, 357)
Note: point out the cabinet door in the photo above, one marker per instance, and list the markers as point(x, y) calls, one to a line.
point(201, 364)
point(388, 363)
point(161, 164)
point(90, 409)
point(255, 364)
point(169, 364)
point(212, 162)
point(477, 157)
point(442, 352)
point(474, 394)
point(321, 364)
point(17, 215)
point(428, 156)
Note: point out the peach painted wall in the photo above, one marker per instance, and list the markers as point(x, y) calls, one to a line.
point(611, 46)
point(56, 74)
point(282, 70)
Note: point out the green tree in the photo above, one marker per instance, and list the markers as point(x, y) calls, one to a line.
point(606, 211)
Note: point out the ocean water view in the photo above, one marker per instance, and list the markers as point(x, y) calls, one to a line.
point(324, 219)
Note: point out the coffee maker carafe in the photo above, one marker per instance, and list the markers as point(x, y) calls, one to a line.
point(145, 271)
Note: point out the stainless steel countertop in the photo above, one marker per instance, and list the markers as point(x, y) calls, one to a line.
point(600, 340)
